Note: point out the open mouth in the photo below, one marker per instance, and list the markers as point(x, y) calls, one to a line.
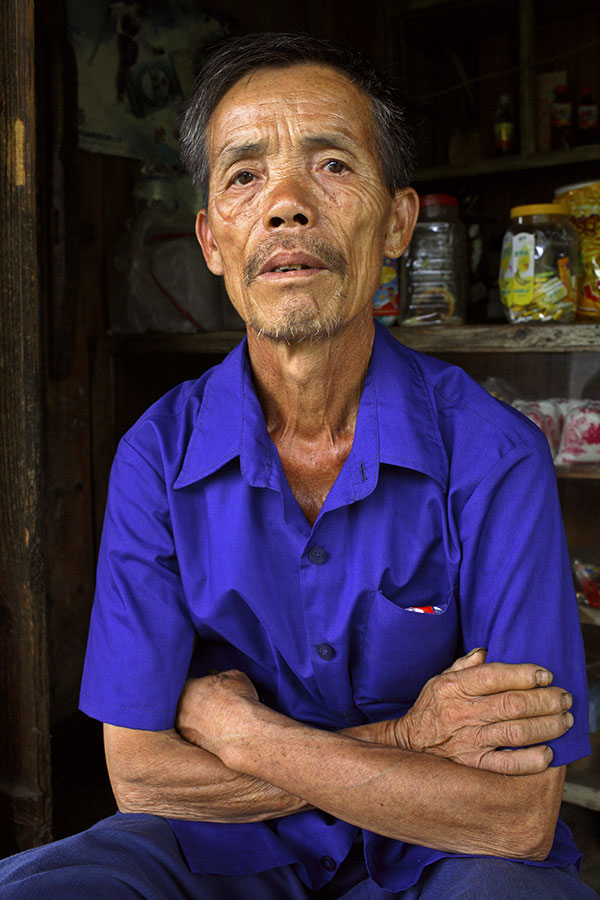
point(285, 260)
point(296, 263)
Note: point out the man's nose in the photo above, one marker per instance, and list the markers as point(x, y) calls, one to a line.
point(290, 204)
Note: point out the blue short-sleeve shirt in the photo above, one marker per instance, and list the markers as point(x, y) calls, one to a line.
point(441, 533)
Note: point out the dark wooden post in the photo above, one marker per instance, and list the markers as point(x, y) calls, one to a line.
point(25, 805)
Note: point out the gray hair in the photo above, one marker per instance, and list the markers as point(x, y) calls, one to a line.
point(394, 128)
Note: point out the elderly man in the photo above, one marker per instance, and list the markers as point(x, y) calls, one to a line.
point(306, 549)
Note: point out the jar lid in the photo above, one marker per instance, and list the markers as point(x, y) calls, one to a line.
point(437, 200)
point(566, 188)
point(540, 209)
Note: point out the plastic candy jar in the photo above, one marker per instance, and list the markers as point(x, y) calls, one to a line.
point(538, 266)
point(435, 272)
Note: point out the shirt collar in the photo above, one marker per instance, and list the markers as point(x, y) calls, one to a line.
point(409, 434)
point(396, 422)
point(231, 424)
point(217, 433)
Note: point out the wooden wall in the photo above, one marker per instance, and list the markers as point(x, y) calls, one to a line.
point(24, 736)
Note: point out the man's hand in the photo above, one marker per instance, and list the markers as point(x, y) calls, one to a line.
point(474, 708)
point(462, 715)
point(209, 708)
point(419, 797)
point(467, 714)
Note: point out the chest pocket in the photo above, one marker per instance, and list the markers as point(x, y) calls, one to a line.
point(401, 649)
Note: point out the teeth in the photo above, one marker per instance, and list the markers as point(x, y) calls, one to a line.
point(289, 268)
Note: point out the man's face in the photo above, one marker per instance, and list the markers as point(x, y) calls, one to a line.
point(299, 215)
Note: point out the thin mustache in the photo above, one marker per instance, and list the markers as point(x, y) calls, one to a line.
point(333, 259)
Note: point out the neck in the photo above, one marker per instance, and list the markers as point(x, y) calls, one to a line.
point(310, 392)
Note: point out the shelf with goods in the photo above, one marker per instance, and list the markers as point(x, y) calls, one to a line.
point(582, 787)
point(511, 164)
point(456, 58)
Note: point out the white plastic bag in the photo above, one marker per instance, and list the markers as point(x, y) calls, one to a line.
point(160, 280)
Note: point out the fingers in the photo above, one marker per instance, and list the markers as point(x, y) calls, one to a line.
point(475, 657)
point(495, 678)
point(512, 707)
point(528, 761)
point(520, 732)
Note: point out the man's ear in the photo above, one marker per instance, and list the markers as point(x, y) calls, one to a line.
point(211, 252)
point(405, 211)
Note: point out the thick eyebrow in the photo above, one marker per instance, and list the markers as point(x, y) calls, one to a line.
point(229, 156)
point(333, 141)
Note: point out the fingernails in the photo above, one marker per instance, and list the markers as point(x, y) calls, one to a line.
point(566, 700)
point(548, 754)
point(543, 677)
point(476, 650)
point(568, 719)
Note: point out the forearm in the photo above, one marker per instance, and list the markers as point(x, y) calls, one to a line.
point(162, 774)
point(408, 796)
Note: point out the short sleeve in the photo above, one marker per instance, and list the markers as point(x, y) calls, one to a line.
point(516, 588)
point(141, 637)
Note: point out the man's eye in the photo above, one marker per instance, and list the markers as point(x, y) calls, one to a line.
point(335, 166)
point(243, 178)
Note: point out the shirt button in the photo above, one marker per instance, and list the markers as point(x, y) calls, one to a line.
point(328, 863)
point(317, 555)
point(325, 651)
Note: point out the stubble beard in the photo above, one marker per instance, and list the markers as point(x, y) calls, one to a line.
point(299, 324)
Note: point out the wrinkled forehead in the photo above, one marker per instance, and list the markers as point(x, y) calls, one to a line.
point(302, 95)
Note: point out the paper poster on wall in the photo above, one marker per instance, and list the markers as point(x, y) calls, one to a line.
point(136, 62)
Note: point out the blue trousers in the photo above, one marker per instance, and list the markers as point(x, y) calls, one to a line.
point(137, 856)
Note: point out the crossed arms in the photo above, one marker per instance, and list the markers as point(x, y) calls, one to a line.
point(433, 777)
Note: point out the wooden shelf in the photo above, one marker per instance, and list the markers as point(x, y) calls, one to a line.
point(500, 338)
point(511, 164)
point(583, 471)
point(217, 342)
point(428, 338)
point(583, 778)
point(589, 615)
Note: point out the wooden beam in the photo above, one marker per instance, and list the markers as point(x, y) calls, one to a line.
point(528, 117)
point(24, 736)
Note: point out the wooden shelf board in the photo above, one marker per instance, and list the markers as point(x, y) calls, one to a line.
point(589, 615)
point(217, 342)
point(583, 471)
point(583, 778)
point(429, 338)
point(499, 338)
point(516, 163)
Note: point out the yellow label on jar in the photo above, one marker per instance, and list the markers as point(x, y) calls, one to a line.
point(523, 269)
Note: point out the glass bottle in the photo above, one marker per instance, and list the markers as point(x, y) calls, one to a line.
point(561, 119)
point(504, 126)
point(587, 118)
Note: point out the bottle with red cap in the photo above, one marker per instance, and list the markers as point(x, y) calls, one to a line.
point(435, 269)
point(561, 119)
point(587, 118)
